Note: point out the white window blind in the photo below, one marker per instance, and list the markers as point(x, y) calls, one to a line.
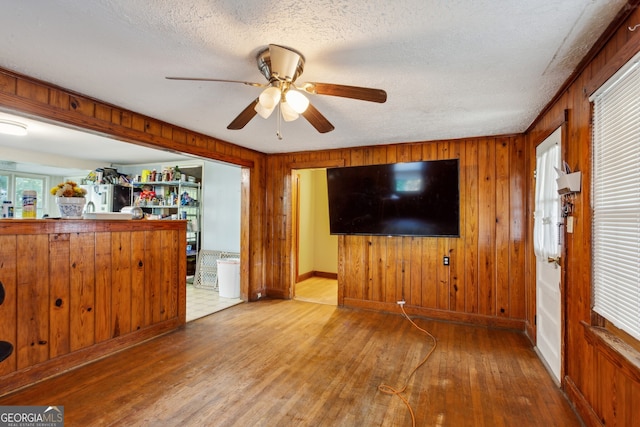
point(616, 200)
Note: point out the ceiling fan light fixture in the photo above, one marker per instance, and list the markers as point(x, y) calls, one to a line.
point(270, 97)
point(263, 111)
point(281, 66)
point(297, 101)
point(285, 63)
point(12, 128)
point(288, 113)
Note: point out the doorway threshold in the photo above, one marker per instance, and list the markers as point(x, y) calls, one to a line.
point(203, 302)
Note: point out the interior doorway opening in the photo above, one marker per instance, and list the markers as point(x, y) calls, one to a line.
point(221, 235)
point(315, 250)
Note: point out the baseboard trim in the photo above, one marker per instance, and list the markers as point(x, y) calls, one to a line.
point(304, 276)
point(468, 318)
point(326, 275)
point(580, 404)
point(314, 273)
point(50, 368)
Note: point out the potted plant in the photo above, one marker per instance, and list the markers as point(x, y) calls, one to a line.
point(70, 199)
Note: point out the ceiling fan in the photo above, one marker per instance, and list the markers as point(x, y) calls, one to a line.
point(281, 66)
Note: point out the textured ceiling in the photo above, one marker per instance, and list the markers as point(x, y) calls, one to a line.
point(451, 68)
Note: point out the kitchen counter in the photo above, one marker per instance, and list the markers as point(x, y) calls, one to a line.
point(58, 225)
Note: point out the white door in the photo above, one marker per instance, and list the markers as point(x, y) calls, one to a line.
point(547, 247)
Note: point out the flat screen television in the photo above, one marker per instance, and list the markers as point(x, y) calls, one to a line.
point(400, 199)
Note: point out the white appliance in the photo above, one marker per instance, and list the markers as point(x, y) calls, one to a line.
point(107, 197)
point(101, 195)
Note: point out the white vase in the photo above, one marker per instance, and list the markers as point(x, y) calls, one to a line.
point(70, 207)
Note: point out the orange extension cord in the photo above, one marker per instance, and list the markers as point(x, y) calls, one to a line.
point(387, 389)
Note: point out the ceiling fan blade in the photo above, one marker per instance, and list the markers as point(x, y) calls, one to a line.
point(354, 92)
point(201, 79)
point(317, 120)
point(244, 117)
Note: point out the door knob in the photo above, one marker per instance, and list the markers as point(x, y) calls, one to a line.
point(556, 260)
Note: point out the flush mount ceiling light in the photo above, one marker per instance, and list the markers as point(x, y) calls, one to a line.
point(12, 128)
point(281, 66)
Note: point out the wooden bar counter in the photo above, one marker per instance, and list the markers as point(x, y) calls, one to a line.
point(77, 290)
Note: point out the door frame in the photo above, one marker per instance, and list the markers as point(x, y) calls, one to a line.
point(562, 123)
point(295, 216)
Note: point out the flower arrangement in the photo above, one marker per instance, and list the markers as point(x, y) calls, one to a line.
point(68, 189)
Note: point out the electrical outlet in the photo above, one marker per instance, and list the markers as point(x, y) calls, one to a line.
point(401, 302)
point(259, 295)
point(445, 260)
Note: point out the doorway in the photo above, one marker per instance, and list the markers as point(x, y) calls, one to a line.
point(547, 248)
point(220, 238)
point(315, 249)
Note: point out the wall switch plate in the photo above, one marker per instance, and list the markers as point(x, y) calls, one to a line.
point(445, 260)
point(569, 224)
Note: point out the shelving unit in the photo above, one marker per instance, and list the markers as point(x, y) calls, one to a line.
point(172, 200)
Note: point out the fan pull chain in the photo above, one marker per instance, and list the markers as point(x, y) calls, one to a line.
point(278, 133)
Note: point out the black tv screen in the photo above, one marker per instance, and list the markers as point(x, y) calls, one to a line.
point(400, 199)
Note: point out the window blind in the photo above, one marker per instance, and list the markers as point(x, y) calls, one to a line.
point(616, 200)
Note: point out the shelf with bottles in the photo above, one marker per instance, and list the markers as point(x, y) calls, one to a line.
point(180, 195)
point(171, 200)
point(192, 246)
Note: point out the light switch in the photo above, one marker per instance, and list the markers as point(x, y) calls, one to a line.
point(569, 224)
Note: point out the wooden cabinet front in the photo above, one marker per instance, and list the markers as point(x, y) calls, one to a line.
point(77, 290)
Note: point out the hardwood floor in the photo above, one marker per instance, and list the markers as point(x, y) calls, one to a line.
point(318, 289)
point(293, 363)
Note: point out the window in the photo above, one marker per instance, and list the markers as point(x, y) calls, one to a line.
point(616, 200)
point(24, 182)
point(13, 184)
point(4, 187)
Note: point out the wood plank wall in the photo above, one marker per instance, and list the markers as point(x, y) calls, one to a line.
point(76, 291)
point(485, 281)
point(597, 380)
point(24, 95)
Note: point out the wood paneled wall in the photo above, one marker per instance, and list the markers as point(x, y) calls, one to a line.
point(485, 281)
point(77, 290)
point(28, 96)
point(604, 386)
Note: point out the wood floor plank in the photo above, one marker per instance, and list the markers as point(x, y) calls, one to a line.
point(281, 363)
point(318, 289)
